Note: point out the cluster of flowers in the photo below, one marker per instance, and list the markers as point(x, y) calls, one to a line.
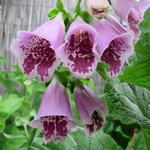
point(40, 52)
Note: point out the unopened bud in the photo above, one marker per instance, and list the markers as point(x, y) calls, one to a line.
point(98, 8)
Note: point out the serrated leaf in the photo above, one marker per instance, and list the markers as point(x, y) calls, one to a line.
point(79, 141)
point(139, 72)
point(128, 104)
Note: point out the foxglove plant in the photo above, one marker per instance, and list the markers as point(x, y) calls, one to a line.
point(36, 50)
point(91, 109)
point(85, 45)
point(54, 118)
point(132, 12)
point(79, 52)
point(115, 44)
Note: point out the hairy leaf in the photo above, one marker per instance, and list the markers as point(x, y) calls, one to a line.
point(129, 104)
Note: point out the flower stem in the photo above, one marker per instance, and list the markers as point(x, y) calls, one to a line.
point(77, 6)
point(109, 2)
point(146, 133)
point(31, 138)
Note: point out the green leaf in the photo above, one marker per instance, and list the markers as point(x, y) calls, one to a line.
point(129, 104)
point(11, 104)
point(15, 140)
point(7, 107)
point(86, 16)
point(139, 72)
point(3, 117)
point(77, 9)
point(137, 142)
point(79, 141)
point(102, 69)
point(146, 134)
point(60, 5)
point(53, 13)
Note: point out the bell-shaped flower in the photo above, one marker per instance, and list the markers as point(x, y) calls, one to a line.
point(78, 51)
point(54, 118)
point(115, 43)
point(91, 109)
point(36, 50)
point(132, 12)
point(98, 8)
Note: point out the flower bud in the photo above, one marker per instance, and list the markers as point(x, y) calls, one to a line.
point(98, 8)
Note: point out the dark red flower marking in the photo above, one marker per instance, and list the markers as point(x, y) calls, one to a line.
point(112, 55)
point(79, 51)
point(38, 54)
point(97, 122)
point(101, 11)
point(54, 127)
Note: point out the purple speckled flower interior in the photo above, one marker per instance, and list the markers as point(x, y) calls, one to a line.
point(54, 127)
point(37, 54)
point(112, 55)
point(79, 51)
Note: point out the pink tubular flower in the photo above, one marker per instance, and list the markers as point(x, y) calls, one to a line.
point(115, 43)
point(54, 118)
point(90, 108)
point(132, 12)
point(36, 50)
point(78, 51)
point(98, 8)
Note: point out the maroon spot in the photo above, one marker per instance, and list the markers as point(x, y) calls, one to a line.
point(37, 52)
point(54, 126)
point(112, 55)
point(99, 11)
point(97, 122)
point(134, 18)
point(79, 51)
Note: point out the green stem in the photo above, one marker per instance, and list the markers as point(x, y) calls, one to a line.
point(77, 6)
point(31, 138)
point(109, 2)
point(146, 133)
